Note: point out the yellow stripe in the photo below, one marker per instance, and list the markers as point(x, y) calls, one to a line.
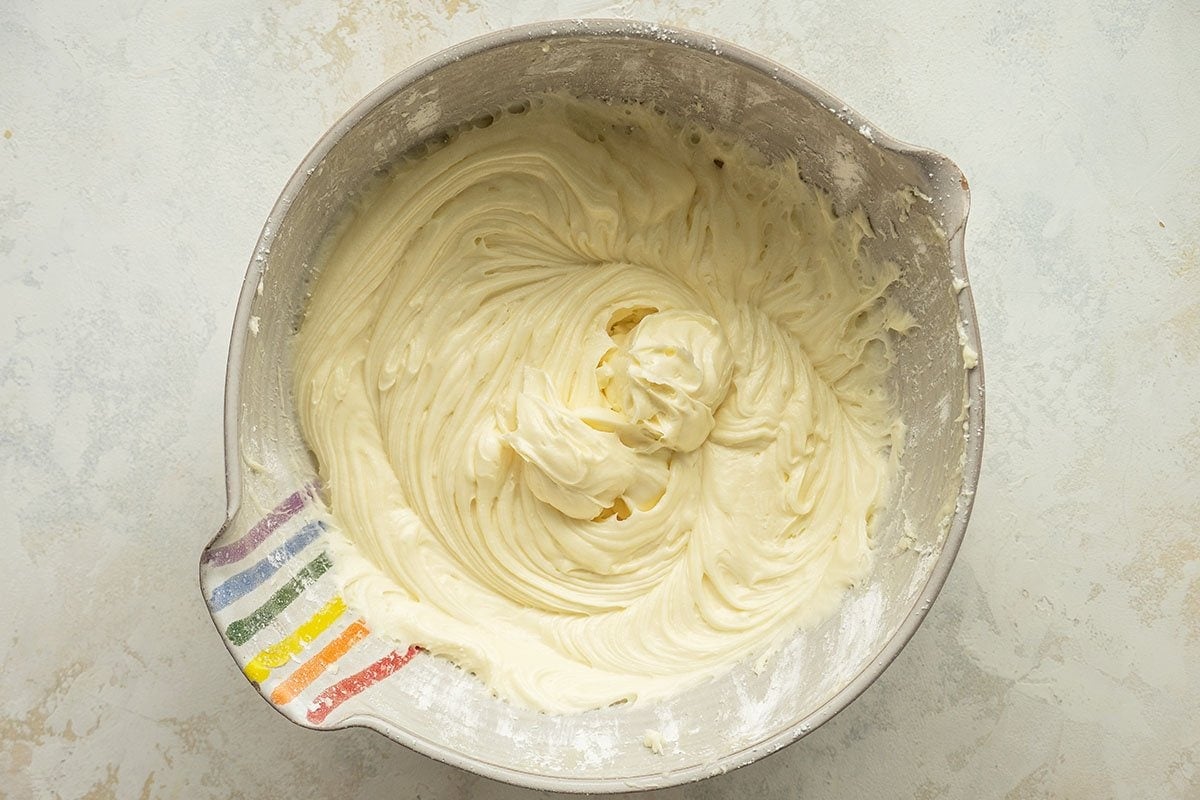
point(278, 654)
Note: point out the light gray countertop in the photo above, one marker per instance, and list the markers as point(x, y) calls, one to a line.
point(143, 144)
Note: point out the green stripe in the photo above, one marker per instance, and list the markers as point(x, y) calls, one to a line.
point(239, 632)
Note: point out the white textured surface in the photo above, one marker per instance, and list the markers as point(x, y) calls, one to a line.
point(142, 146)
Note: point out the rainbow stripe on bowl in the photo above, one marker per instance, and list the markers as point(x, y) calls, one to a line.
point(255, 601)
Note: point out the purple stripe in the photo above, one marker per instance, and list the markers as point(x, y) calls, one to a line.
point(236, 551)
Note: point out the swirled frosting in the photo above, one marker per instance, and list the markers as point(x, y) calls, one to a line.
point(600, 403)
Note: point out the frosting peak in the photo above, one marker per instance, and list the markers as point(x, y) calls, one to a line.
point(665, 377)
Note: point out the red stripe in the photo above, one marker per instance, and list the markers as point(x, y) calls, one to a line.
point(346, 688)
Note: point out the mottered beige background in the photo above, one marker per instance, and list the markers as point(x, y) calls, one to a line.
point(143, 143)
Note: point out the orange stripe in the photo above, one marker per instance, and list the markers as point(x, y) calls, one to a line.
point(310, 670)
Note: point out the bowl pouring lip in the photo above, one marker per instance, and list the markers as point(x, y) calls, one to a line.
point(955, 211)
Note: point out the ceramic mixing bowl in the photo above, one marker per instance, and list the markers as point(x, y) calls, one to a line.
point(268, 576)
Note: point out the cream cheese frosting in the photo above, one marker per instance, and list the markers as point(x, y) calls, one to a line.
point(600, 403)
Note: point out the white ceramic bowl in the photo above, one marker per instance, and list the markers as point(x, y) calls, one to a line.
point(266, 576)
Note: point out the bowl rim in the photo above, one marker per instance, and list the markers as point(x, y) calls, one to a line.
point(935, 164)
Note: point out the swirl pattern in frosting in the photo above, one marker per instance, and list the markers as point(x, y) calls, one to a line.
point(600, 402)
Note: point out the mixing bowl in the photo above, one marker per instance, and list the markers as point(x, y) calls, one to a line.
point(268, 576)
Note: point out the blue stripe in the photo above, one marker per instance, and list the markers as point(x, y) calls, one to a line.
point(249, 579)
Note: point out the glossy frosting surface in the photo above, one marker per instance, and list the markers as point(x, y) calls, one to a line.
point(600, 403)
